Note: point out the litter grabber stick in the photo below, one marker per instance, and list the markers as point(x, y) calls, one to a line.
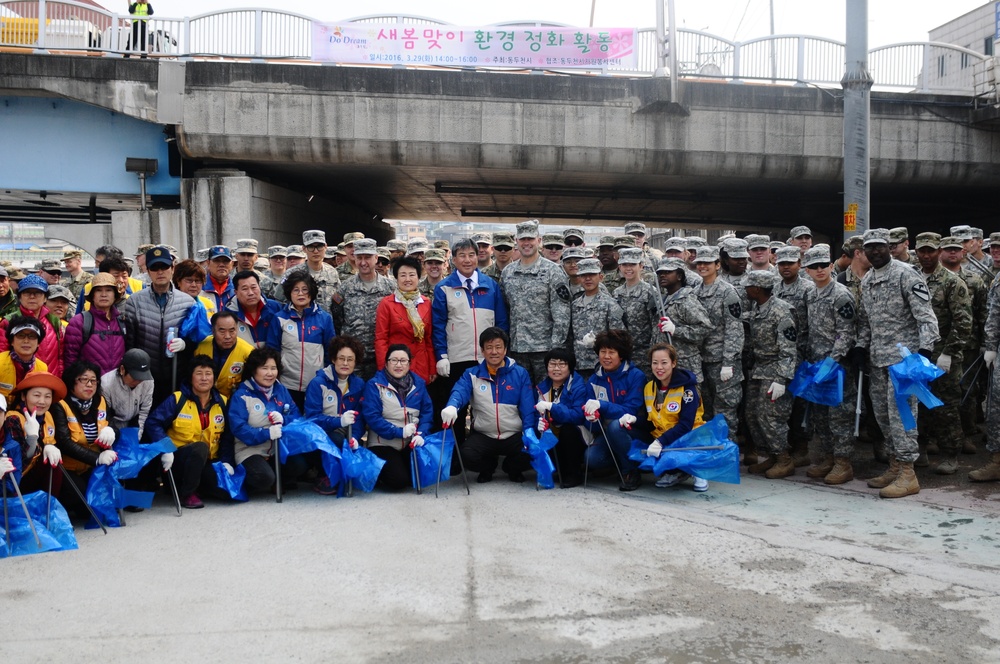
point(173, 488)
point(971, 367)
point(555, 455)
point(972, 384)
point(6, 518)
point(48, 505)
point(461, 463)
point(350, 482)
point(83, 500)
point(611, 450)
point(444, 437)
point(701, 448)
point(857, 407)
point(413, 462)
point(24, 506)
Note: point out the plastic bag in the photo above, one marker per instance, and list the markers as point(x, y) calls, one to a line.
point(434, 454)
point(819, 382)
point(133, 456)
point(538, 449)
point(304, 435)
point(106, 496)
point(360, 465)
point(912, 377)
point(57, 537)
point(715, 465)
point(195, 327)
point(232, 484)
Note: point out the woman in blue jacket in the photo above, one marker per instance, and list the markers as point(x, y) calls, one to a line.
point(614, 396)
point(561, 396)
point(397, 409)
point(333, 398)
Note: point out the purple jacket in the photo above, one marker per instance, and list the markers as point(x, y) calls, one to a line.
point(106, 345)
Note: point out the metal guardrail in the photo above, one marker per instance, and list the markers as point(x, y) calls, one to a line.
point(273, 34)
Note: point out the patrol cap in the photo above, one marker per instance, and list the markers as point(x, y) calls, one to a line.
point(246, 246)
point(951, 242)
point(800, 231)
point(218, 251)
point(143, 248)
point(898, 234)
point(635, 227)
point(261, 263)
point(331, 252)
point(442, 244)
point(52, 265)
point(964, 231)
point(136, 363)
point(758, 241)
point(589, 266)
point(670, 264)
point(977, 233)
point(338, 250)
point(818, 255)
point(675, 244)
point(430, 255)
point(161, 256)
point(606, 241)
point(788, 255)
point(736, 248)
point(277, 251)
point(705, 254)
point(482, 238)
point(932, 240)
point(396, 245)
point(629, 256)
point(876, 236)
point(724, 238)
point(624, 241)
point(761, 279)
point(383, 252)
point(550, 239)
point(313, 237)
point(365, 247)
point(200, 256)
point(588, 252)
point(349, 238)
point(503, 239)
point(32, 282)
point(995, 239)
point(576, 253)
point(854, 243)
point(72, 253)
point(416, 246)
point(57, 291)
point(296, 251)
point(526, 229)
point(774, 245)
point(573, 232)
point(695, 241)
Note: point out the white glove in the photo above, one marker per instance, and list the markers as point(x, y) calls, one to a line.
point(726, 373)
point(543, 407)
point(167, 459)
point(588, 339)
point(176, 345)
point(777, 390)
point(31, 425)
point(354, 443)
point(667, 326)
point(654, 449)
point(444, 367)
point(409, 430)
point(348, 417)
point(274, 431)
point(592, 417)
point(448, 416)
point(7, 466)
point(106, 437)
point(105, 458)
point(229, 469)
point(591, 406)
point(944, 362)
point(52, 455)
point(626, 420)
point(543, 425)
point(989, 357)
point(418, 441)
point(274, 417)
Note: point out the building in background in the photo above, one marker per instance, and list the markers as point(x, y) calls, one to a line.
point(974, 30)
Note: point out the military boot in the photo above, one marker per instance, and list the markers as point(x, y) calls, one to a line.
point(762, 466)
point(820, 469)
point(949, 465)
point(800, 454)
point(933, 449)
point(988, 473)
point(905, 483)
point(969, 446)
point(783, 467)
point(878, 450)
point(842, 471)
point(886, 478)
point(922, 460)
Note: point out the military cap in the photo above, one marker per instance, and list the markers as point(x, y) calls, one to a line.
point(417, 246)
point(818, 255)
point(143, 248)
point(670, 264)
point(630, 256)
point(526, 229)
point(246, 246)
point(572, 232)
point(261, 263)
point(350, 238)
point(695, 241)
point(365, 247)
point(951, 242)
point(552, 238)
point(964, 231)
point(200, 256)
point(635, 227)
point(675, 244)
point(72, 253)
point(761, 279)
point(56, 291)
point(994, 238)
point(723, 238)
point(606, 241)
point(576, 253)
point(161, 256)
point(131, 261)
point(173, 251)
point(588, 252)
point(705, 254)
point(277, 251)
point(37, 267)
point(313, 237)
point(434, 254)
point(854, 243)
point(589, 266)
point(898, 234)
point(396, 245)
point(331, 252)
point(736, 248)
point(384, 252)
point(51, 265)
point(758, 241)
point(16, 274)
point(876, 236)
point(977, 233)
point(788, 255)
point(442, 244)
point(799, 231)
point(624, 241)
point(774, 245)
point(932, 240)
point(482, 238)
point(503, 239)
point(338, 250)
point(296, 251)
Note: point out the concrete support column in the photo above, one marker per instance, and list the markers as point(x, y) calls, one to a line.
point(130, 228)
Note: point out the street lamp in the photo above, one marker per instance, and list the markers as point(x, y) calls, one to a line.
point(142, 168)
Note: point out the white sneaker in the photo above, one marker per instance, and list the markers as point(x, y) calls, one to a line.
point(700, 484)
point(671, 479)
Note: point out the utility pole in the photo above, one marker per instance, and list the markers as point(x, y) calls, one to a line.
point(666, 45)
point(774, 64)
point(857, 84)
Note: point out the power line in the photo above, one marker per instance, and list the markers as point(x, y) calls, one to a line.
point(740, 24)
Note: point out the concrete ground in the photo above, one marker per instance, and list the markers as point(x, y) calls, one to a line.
point(766, 571)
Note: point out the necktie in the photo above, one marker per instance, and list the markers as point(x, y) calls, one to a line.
point(468, 284)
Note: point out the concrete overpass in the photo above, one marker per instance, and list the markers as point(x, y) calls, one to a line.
point(462, 145)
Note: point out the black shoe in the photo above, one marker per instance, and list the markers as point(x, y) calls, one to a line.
point(633, 480)
point(516, 476)
point(484, 478)
point(132, 509)
point(571, 482)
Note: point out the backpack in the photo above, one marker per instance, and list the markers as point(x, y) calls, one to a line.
point(88, 328)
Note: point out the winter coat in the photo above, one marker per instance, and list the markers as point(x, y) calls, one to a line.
point(568, 408)
point(50, 349)
point(106, 345)
point(325, 403)
point(179, 419)
point(460, 316)
point(303, 341)
point(681, 409)
point(146, 325)
point(386, 411)
point(393, 326)
point(502, 405)
point(248, 418)
point(620, 392)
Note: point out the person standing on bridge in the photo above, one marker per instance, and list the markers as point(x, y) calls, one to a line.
point(139, 11)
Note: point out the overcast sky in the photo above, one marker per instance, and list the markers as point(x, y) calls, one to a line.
point(890, 21)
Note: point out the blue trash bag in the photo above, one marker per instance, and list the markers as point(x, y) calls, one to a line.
point(133, 456)
point(360, 465)
point(911, 377)
point(106, 496)
point(538, 449)
point(58, 536)
point(195, 327)
point(714, 465)
point(304, 435)
point(233, 485)
point(819, 382)
point(435, 453)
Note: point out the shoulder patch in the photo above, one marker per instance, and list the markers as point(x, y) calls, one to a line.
point(790, 333)
point(847, 311)
point(337, 298)
point(563, 292)
point(735, 310)
point(920, 290)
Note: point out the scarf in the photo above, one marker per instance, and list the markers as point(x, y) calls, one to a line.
point(267, 391)
point(402, 385)
point(409, 300)
point(83, 405)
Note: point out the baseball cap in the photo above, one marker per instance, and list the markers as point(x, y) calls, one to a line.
point(136, 363)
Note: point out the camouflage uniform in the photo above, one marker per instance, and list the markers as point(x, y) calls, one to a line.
point(953, 308)
point(722, 347)
point(612, 279)
point(76, 285)
point(978, 291)
point(327, 279)
point(353, 310)
point(425, 287)
point(270, 285)
point(772, 342)
point(492, 272)
point(991, 342)
point(693, 325)
point(346, 270)
point(640, 315)
point(795, 294)
point(592, 315)
point(895, 308)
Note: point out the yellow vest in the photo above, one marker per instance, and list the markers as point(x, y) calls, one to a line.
point(231, 374)
point(8, 375)
point(46, 436)
point(141, 9)
point(665, 418)
point(186, 428)
point(78, 437)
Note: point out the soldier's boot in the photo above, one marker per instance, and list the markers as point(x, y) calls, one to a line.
point(988, 473)
point(821, 469)
point(932, 449)
point(922, 460)
point(969, 445)
point(949, 465)
point(878, 449)
point(762, 466)
point(783, 467)
point(905, 483)
point(886, 478)
point(842, 471)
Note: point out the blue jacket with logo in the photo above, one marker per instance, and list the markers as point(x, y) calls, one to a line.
point(386, 411)
point(248, 410)
point(256, 336)
point(303, 341)
point(568, 409)
point(325, 403)
point(620, 392)
point(502, 405)
point(460, 315)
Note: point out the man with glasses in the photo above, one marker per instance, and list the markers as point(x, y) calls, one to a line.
point(326, 277)
point(51, 271)
point(384, 261)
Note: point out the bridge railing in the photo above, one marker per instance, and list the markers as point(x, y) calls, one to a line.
point(258, 33)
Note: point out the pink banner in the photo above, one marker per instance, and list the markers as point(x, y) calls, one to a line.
point(522, 46)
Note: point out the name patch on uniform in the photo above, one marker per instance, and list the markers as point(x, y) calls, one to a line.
point(183, 416)
point(920, 290)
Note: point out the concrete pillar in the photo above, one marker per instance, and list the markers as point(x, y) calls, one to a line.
point(130, 228)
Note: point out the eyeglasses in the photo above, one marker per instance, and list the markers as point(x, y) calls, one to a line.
point(316, 247)
point(558, 364)
point(398, 361)
point(300, 291)
point(86, 381)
